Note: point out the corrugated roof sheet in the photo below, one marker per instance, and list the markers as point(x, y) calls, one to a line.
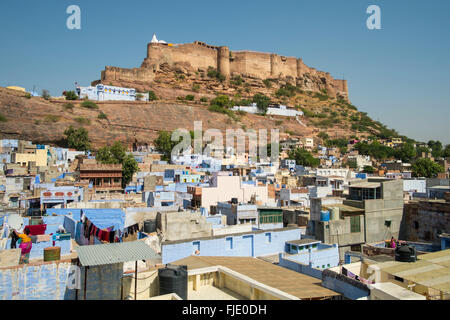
point(102, 254)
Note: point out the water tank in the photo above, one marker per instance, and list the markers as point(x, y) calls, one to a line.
point(173, 279)
point(149, 226)
point(52, 254)
point(324, 216)
point(335, 214)
point(405, 253)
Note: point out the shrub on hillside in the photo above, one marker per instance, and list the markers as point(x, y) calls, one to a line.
point(89, 105)
point(70, 95)
point(152, 96)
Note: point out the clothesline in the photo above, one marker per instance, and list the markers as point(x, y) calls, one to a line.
point(90, 230)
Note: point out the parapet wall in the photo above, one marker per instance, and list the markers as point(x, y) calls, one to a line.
point(199, 56)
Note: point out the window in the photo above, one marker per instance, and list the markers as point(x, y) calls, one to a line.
point(355, 224)
point(268, 237)
point(229, 242)
point(196, 247)
point(416, 225)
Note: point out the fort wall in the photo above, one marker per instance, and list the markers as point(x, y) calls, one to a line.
point(200, 56)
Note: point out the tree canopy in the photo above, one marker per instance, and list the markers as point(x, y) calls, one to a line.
point(262, 102)
point(424, 167)
point(116, 154)
point(77, 138)
point(303, 157)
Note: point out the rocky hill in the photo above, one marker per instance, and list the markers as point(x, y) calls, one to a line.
point(43, 121)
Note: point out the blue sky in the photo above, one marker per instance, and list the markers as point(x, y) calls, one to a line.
point(399, 75)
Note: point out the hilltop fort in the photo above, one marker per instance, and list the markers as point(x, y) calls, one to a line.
point(199, 57)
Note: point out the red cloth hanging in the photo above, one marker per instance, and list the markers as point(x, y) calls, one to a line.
point(36, 230)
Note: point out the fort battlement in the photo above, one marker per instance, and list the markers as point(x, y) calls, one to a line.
point(200, 56)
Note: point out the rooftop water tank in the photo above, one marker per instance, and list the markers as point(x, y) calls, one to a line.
point(173, 279)
point(149, 226)
point(324, 216)
point(405, 253)
point(335, 214)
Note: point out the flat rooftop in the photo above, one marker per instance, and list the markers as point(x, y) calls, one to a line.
point(303, 241)
point(288, 281)
point(368, 185)
point(430, 270)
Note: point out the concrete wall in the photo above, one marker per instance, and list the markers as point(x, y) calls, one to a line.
point(349, 288)
point(229, 187)
point(183, 225)
point(425, 220)
point(299, 267)
point(415, 185)
point(244, 245)
point(34, 282)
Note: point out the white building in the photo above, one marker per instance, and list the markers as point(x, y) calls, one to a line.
point(104, 93)
point(281, 111)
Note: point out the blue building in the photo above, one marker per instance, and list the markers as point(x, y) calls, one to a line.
point(252, 244)
point(310, 257)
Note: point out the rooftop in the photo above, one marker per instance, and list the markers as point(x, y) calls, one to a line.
point(366, 185)
point(303, 241)
point(430, 270)
point(103, 254)
point(285, 280)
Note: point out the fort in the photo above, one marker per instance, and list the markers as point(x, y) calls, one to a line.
point(199, 56)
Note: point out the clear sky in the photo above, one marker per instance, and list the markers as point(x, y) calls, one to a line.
point(399, 75)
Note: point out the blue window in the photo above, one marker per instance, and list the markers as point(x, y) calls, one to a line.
point(229, 242)
point(268, 237)
point(196, 247)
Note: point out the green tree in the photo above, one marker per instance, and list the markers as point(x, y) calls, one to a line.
point(352, 164)
point(369, 169)
point(424, 167)
point(71, 95)
point(164, 144)
point(221, 101)
point(405, 152)
point(46, 94)
point(262, 102)
point(323, 135)
point(436, 148)
point(446, 152)
point(104, 155)
point(375, 150)
point(116, 154)
point(303, 157)
point(77, 138)
point(420, 150)
point(129, 167)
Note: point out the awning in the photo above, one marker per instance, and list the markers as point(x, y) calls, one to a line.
point(103, 254)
